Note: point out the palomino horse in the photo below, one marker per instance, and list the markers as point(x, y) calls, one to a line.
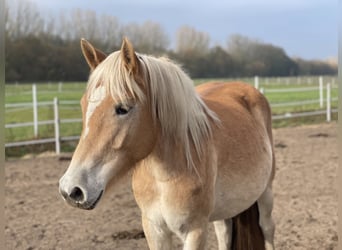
point(197, 155)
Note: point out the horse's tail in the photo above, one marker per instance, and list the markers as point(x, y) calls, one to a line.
point(247, 234)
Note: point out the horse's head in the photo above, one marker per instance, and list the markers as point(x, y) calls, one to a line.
point(118, 128)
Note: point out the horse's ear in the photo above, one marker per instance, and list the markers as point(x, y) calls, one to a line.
point(92, 55)
point(128, 56)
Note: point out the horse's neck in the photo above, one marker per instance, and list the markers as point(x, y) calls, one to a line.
point(169, 162)
point(166, 162)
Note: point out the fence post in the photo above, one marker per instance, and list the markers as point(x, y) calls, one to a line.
point(256, 82)
point(328, 102)
point(35, 109)
point(321, 91)
point(262, 91)
point(57, 137)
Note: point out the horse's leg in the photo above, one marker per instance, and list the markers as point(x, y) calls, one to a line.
point(196, 237)
point(157, 238)
point(223, 230)
point(265, 205)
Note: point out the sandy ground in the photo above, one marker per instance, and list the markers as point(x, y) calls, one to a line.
point(305, 210)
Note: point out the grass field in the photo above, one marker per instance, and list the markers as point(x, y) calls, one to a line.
point(22, 93)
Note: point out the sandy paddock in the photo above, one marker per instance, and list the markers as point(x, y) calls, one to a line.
point(305, 209)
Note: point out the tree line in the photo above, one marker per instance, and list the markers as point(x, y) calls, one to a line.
point(47, 48)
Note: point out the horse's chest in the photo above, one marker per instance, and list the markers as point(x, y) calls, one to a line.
point(167, 218)
point(168, 206)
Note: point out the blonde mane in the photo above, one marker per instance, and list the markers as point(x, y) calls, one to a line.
point(183, 116)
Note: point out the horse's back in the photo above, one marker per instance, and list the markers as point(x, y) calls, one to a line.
point(243, 143)
point(236, 95)
point(237, 105)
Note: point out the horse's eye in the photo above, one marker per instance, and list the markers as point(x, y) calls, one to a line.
point(121, 109)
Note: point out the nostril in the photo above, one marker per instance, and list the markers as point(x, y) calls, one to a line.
point(76, 194)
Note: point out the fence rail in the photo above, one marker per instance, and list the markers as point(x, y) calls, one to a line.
point(57, 121)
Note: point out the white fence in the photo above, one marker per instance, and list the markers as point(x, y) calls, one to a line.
point(58, 138)
point(320, 100)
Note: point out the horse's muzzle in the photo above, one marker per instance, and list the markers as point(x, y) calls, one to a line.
point(76, 198)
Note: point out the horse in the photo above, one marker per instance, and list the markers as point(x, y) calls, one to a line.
point(195, 155)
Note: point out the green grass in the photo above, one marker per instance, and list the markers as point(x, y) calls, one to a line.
point(46, 93)
point(74, 91)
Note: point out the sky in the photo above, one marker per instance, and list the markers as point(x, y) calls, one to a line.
point(303, 28)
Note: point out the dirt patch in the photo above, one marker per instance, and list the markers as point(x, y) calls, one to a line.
point(133, 234)
point(305, 209)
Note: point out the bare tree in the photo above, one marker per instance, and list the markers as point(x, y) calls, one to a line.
point(109, 32)
point(103, 30)
point(84, 24)
point(259, 58)
point(23, 19)
point(132, 31)
point(64, 26)
point(242, 47)
point(153, 37)
point(189, 40)
point(148, 38)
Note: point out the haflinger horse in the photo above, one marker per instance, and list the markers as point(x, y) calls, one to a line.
point(196, 155)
